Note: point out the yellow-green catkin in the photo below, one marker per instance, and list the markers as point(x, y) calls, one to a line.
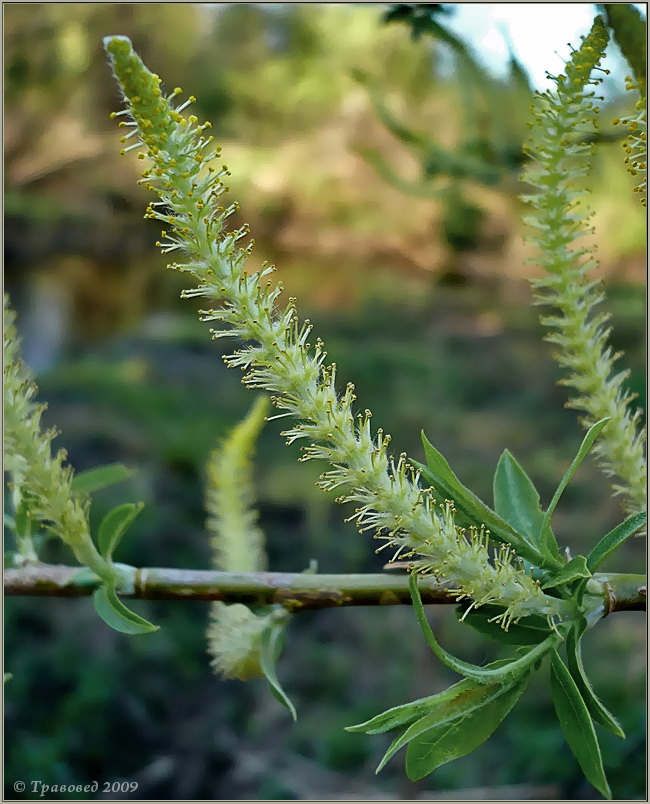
point(234, 631)
point(281, 359)
point(237, 541)
point(559, 157)
point(630, 31)
point(40, 480)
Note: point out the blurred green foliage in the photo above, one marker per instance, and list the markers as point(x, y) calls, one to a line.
point(462, 360)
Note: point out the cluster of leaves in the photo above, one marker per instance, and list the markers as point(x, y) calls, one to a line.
point(453, 723)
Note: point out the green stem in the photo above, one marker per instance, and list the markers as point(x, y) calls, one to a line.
point(295, 591)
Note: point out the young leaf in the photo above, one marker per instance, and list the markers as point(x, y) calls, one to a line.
point(484, 675)
point(450, 711)
point(113, 526)
point(100, 478)
point(574, 569)
point(270, 651)
point(437, 464)
point(614, 539)
point(114, 613)
point(597, 709)
point(592, 434)
point(577, 725)
point(23, 521)
point(521, 633)
point(516, 499)
point(444, 743)
point(406, 713)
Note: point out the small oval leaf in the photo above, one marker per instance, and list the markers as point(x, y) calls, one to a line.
point(114, 613)
point(516, 499)
point(114, 525)
point(572, 571)
point(100, 478)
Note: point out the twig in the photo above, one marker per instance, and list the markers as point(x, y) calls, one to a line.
point(295, 591)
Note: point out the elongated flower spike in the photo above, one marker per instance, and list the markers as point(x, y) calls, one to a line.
point(636, 143)
point(41, 480)
point(281, 360)
point(234, 632)
point(558, 158)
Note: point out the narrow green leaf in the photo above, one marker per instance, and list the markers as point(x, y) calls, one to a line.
point(452, 710)
point(114, 525)
point(577, 725)
point(402, 715)
point(437, 464)
point(520, 633)
point(114, 613)
point(572, 571)
point(23, 521)
point(100, 478)
point(592, 434)
point(516, 499)
point(614, 539)
point(449, 741)
point(269, 653)
point(484, 675)
point(596, 707)
point(405, 714)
